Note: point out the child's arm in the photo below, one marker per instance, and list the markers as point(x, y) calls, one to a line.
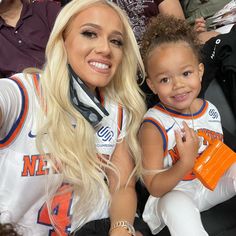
point(153, 156)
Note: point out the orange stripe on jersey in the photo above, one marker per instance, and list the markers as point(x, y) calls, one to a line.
point(18, 124)
point(36, 83)
point(38, 91)
point(162, 131)
point(119, 119)
point(202, 110)
point(173, 113)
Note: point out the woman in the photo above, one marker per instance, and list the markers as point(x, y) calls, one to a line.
point(73, 127)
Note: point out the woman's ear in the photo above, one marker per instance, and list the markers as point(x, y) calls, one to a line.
point(151, 85)
point(200, 70)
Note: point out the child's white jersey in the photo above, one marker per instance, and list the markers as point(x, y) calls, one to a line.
point(23, 172)
point(206, 120)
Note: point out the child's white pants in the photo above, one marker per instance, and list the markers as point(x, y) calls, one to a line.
point(180, 208)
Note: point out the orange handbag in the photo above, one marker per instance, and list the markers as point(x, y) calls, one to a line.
point(213, 162)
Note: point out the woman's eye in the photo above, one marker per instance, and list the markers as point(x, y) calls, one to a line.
point(89, 34)
point(117, 42)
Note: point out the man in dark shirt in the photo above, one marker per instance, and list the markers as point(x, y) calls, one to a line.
point(25, 27)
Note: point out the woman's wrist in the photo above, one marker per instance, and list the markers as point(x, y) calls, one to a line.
point(122, 226)
point(119, 232)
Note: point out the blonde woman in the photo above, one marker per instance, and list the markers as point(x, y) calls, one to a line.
point(69, 150)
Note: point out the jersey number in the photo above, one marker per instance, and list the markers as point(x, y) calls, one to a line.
point(60, 214)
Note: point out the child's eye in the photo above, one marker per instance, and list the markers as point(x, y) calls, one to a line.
point(165, 80)
point(187, 73)
point(117, 42)
point(89, 34)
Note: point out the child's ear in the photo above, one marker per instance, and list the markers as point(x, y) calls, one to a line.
point(200, 70)
point(150, 85)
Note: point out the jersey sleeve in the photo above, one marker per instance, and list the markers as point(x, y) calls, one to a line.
point(13, 105)
point(151, 118)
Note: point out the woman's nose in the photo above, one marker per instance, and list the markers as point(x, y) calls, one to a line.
point(103, 47)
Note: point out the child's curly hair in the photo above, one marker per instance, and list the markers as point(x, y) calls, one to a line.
point(168, 29)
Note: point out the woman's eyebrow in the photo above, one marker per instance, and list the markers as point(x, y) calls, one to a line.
point(116, 32)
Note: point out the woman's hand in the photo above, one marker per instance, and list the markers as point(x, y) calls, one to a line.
point(187, 145)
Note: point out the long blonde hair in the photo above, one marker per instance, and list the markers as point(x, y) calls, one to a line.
point(72, 149)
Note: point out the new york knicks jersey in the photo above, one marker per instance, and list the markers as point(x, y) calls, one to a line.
point(206, 120)
point(23, 174)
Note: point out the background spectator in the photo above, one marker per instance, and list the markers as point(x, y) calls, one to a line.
point(202, 8)
point(140, 12)
point(198, 13)
point(24, 31)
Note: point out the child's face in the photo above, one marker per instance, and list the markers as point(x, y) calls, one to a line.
point(174, 74)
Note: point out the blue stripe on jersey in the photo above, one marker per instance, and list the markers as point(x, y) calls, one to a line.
point(161, 131)
point(173, 112)
point(16, 123)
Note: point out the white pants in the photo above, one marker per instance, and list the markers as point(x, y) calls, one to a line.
point(180, 208)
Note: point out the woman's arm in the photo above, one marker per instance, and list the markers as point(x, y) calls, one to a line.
point(159, 183)
point(124, 200)
point(171, 7)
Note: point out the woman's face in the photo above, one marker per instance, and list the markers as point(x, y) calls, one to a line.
point(94, 44)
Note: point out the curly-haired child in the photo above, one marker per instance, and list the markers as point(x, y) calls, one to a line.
point(168, 133)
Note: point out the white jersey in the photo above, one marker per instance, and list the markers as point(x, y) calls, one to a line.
point(206, 120)
point(23, 172)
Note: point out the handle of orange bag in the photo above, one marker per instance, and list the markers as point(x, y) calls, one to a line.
point(205, 136)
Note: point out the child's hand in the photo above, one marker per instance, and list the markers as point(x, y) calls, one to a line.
point(187, 146)
point(200, 25)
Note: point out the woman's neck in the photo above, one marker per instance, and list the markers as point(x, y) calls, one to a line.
point(11, 11)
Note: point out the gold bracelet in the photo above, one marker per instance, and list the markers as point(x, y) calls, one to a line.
point(124, 224)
